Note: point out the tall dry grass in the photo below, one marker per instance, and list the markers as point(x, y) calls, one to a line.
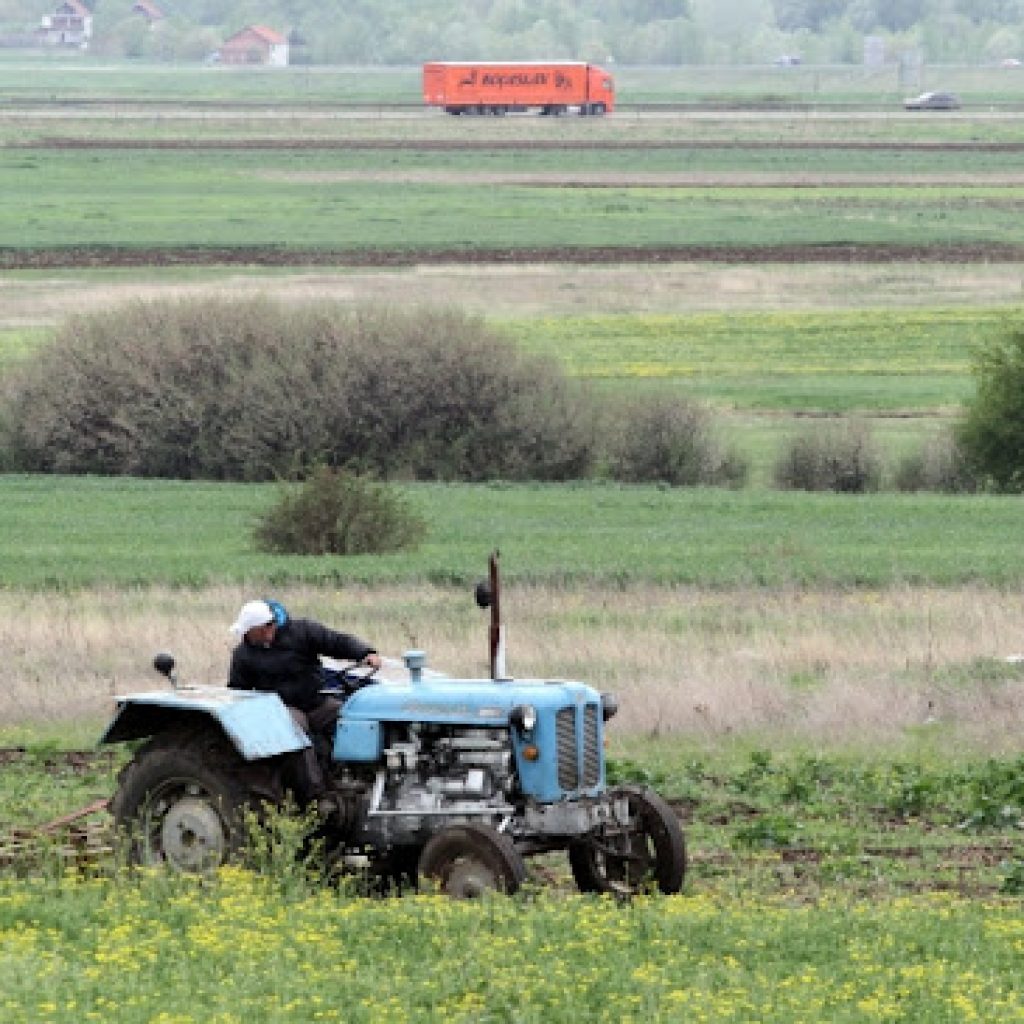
point(837, 668)
point(531, 289)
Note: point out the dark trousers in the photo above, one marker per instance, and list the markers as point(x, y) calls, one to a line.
point(310, 783)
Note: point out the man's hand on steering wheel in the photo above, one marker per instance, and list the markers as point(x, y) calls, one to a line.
point(372, 660)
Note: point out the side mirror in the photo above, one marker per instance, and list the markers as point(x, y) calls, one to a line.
point(164, 664)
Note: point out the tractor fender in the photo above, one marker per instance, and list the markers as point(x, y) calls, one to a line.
point(258, 724)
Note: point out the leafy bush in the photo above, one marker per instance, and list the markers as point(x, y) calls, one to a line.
point(912, 790)
point(339, 514)
point(940, 464)
point(766, 831)
point(624, 770)
point(994, 795)
point(838, 456)
point(670, 440)
point(992, 431)
point(244, 390)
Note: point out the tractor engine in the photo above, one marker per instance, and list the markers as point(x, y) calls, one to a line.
point(429, 776)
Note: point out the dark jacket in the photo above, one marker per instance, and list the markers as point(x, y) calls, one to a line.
point(290, 666)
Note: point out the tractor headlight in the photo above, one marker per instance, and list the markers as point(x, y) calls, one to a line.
point(523, 717)
point(609, 705)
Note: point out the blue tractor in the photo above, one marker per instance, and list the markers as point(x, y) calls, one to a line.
point(451, 780)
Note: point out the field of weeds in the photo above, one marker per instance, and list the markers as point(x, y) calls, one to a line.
point(819, 889)
point(793, 666)
point(243, 948)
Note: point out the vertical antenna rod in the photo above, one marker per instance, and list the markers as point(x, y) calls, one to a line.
point(497, 638)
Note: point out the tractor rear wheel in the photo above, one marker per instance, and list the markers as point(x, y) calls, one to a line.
point(467, 861)
point(648, 853)
point(182, 801)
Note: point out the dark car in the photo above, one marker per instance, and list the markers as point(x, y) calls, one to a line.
point(933, 101)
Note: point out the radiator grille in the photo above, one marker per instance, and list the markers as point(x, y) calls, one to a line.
point(566, 725)
point(568, 759)
point(591, 752)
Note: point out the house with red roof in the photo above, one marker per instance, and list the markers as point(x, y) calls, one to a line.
point(148, 10)
point(69, 25)
point(255, 44)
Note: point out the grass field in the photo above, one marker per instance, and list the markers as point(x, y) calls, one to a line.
point(124, 122)
point(67, 77)
point(85, 531)
point(871, 360)
point(141, 199)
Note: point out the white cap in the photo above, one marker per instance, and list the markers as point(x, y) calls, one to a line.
point(253, 614)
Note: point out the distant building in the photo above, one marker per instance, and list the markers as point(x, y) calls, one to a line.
point(69, 25)
point(255, 44)
point(874, 52)
point(148, 10)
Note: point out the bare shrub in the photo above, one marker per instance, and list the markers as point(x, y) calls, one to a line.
point(940, 464)
point(208, 389)
point(670, 440)
point(443, 397)
point(339, 514)
point(836, 456)
point(253, 390)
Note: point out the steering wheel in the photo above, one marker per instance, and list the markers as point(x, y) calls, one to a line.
point(345, 681)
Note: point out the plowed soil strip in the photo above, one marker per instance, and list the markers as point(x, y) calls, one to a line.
point(274, 256)
point(647, 179)
point(477, 145)
point(61, 761)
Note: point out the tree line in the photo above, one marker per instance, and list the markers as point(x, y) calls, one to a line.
point(657, 32)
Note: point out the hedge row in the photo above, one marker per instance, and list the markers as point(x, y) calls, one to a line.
point(243, 390)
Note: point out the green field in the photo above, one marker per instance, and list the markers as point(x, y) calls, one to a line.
point(65, 77)
point(557, 161)
point(61, 532)
point(140, 199)
point(871, 360)
point(270, 126)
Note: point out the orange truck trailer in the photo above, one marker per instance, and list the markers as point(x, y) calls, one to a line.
point(495, 88)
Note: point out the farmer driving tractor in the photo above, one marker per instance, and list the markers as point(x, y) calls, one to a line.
point(279, 654)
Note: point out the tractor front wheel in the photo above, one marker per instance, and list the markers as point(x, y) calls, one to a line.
point(467, 861)
point(648, 853)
